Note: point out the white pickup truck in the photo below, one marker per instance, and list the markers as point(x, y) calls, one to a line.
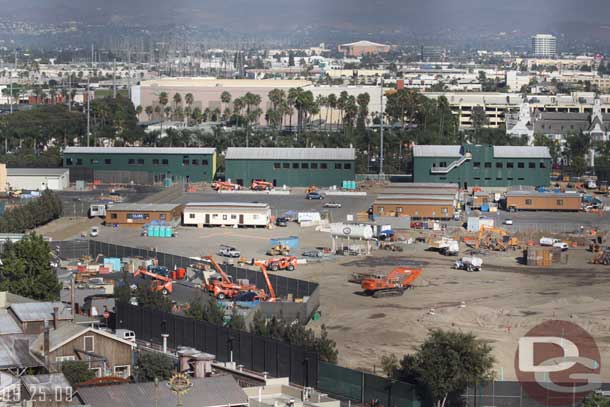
point(549, 241)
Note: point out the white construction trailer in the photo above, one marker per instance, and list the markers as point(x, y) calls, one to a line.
point(234, 214)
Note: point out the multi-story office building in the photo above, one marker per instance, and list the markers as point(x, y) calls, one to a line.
point(544, 45)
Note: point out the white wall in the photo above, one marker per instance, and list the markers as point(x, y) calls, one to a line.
point(38, 182)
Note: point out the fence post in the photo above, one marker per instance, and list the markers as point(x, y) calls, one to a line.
point(362, 388)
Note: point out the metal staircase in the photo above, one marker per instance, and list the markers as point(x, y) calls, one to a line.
point(456, 163)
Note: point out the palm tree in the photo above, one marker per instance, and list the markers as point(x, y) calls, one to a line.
point(238, 105)
point(332, 104)
point(177, 99)
point(225, 97)
point(189, 99)
point(197, 115)
point(167, 111)
point(149, 111)
point(163, 98)
point(322, 103)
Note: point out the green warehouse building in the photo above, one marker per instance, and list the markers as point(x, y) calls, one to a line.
point(140, 165)
point(295, 167)
point(482, 165)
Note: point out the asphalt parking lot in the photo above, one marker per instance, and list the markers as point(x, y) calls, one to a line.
point(280, 204)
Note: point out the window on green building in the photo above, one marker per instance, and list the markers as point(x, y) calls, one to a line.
point(108, 161)
point(487, 179)
point(295, 166)
point(69, 161)
point(285, 165)
point(337, 166)
point(532, 165)
point(476, 164)
point(542, 164)
point(186, 163)
point(314, 166)
point(276, 166)
point(305, 165)
point(520, 165)
point(155, 161)
point(477, 178)
point(140, 161)
point(195, 162)
point(347, 166)
point(94, 161)
point(487, 165)
point(131, 161)
point(521, 179)
point(204, 162)
point(165, 161)
point(499, 165)
point(498, 178)
point(442, 164)
point(510, 165)
point(323, 166)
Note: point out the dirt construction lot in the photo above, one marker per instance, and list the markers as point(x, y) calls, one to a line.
point(498, 304)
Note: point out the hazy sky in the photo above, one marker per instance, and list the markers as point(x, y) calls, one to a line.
point(487, 16)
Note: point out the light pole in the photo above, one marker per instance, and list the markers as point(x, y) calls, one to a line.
point(381, 133)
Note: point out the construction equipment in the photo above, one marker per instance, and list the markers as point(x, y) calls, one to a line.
point(470, 263)
point(271, 297)
point(225, 186)
point(446, 246)
point(497, 239)
point(278, 250)
point(281, 263)
point(602, 257)
point(261, 185)
point(392, 284)
point(160, 280)
point(224, 287)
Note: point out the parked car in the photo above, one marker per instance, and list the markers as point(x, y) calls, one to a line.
point(549, 241)
point(314, 195)
point(332, 205)
point(508, 221)
point(94, 232)
point(282, 222)
point(229, 251)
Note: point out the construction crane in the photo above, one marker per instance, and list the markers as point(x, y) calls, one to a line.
point(271, 297)
point(261, 185)
point(485, 238)
point(160, 282)
point(225, 186)
point(225, 287)
point(393, 284)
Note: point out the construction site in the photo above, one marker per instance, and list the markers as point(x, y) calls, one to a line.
point(378, 281)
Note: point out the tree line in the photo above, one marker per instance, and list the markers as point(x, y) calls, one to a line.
point(34, 213)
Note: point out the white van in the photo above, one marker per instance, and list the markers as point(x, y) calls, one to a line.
point(125, 334)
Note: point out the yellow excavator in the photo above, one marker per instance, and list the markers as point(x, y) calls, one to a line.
point(497, 239)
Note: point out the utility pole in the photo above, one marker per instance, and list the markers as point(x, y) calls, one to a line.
point(381, 133)
point(129, 74)
point(114, 78)
point(11, 78)
point(88, 109)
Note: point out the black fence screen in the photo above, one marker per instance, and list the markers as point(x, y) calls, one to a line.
point(258, 353)
point(360, 387)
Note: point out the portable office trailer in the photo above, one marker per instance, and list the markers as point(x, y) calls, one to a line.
point(542, 201)
point(436, 209)
point(135, 214)
point(202, 214)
